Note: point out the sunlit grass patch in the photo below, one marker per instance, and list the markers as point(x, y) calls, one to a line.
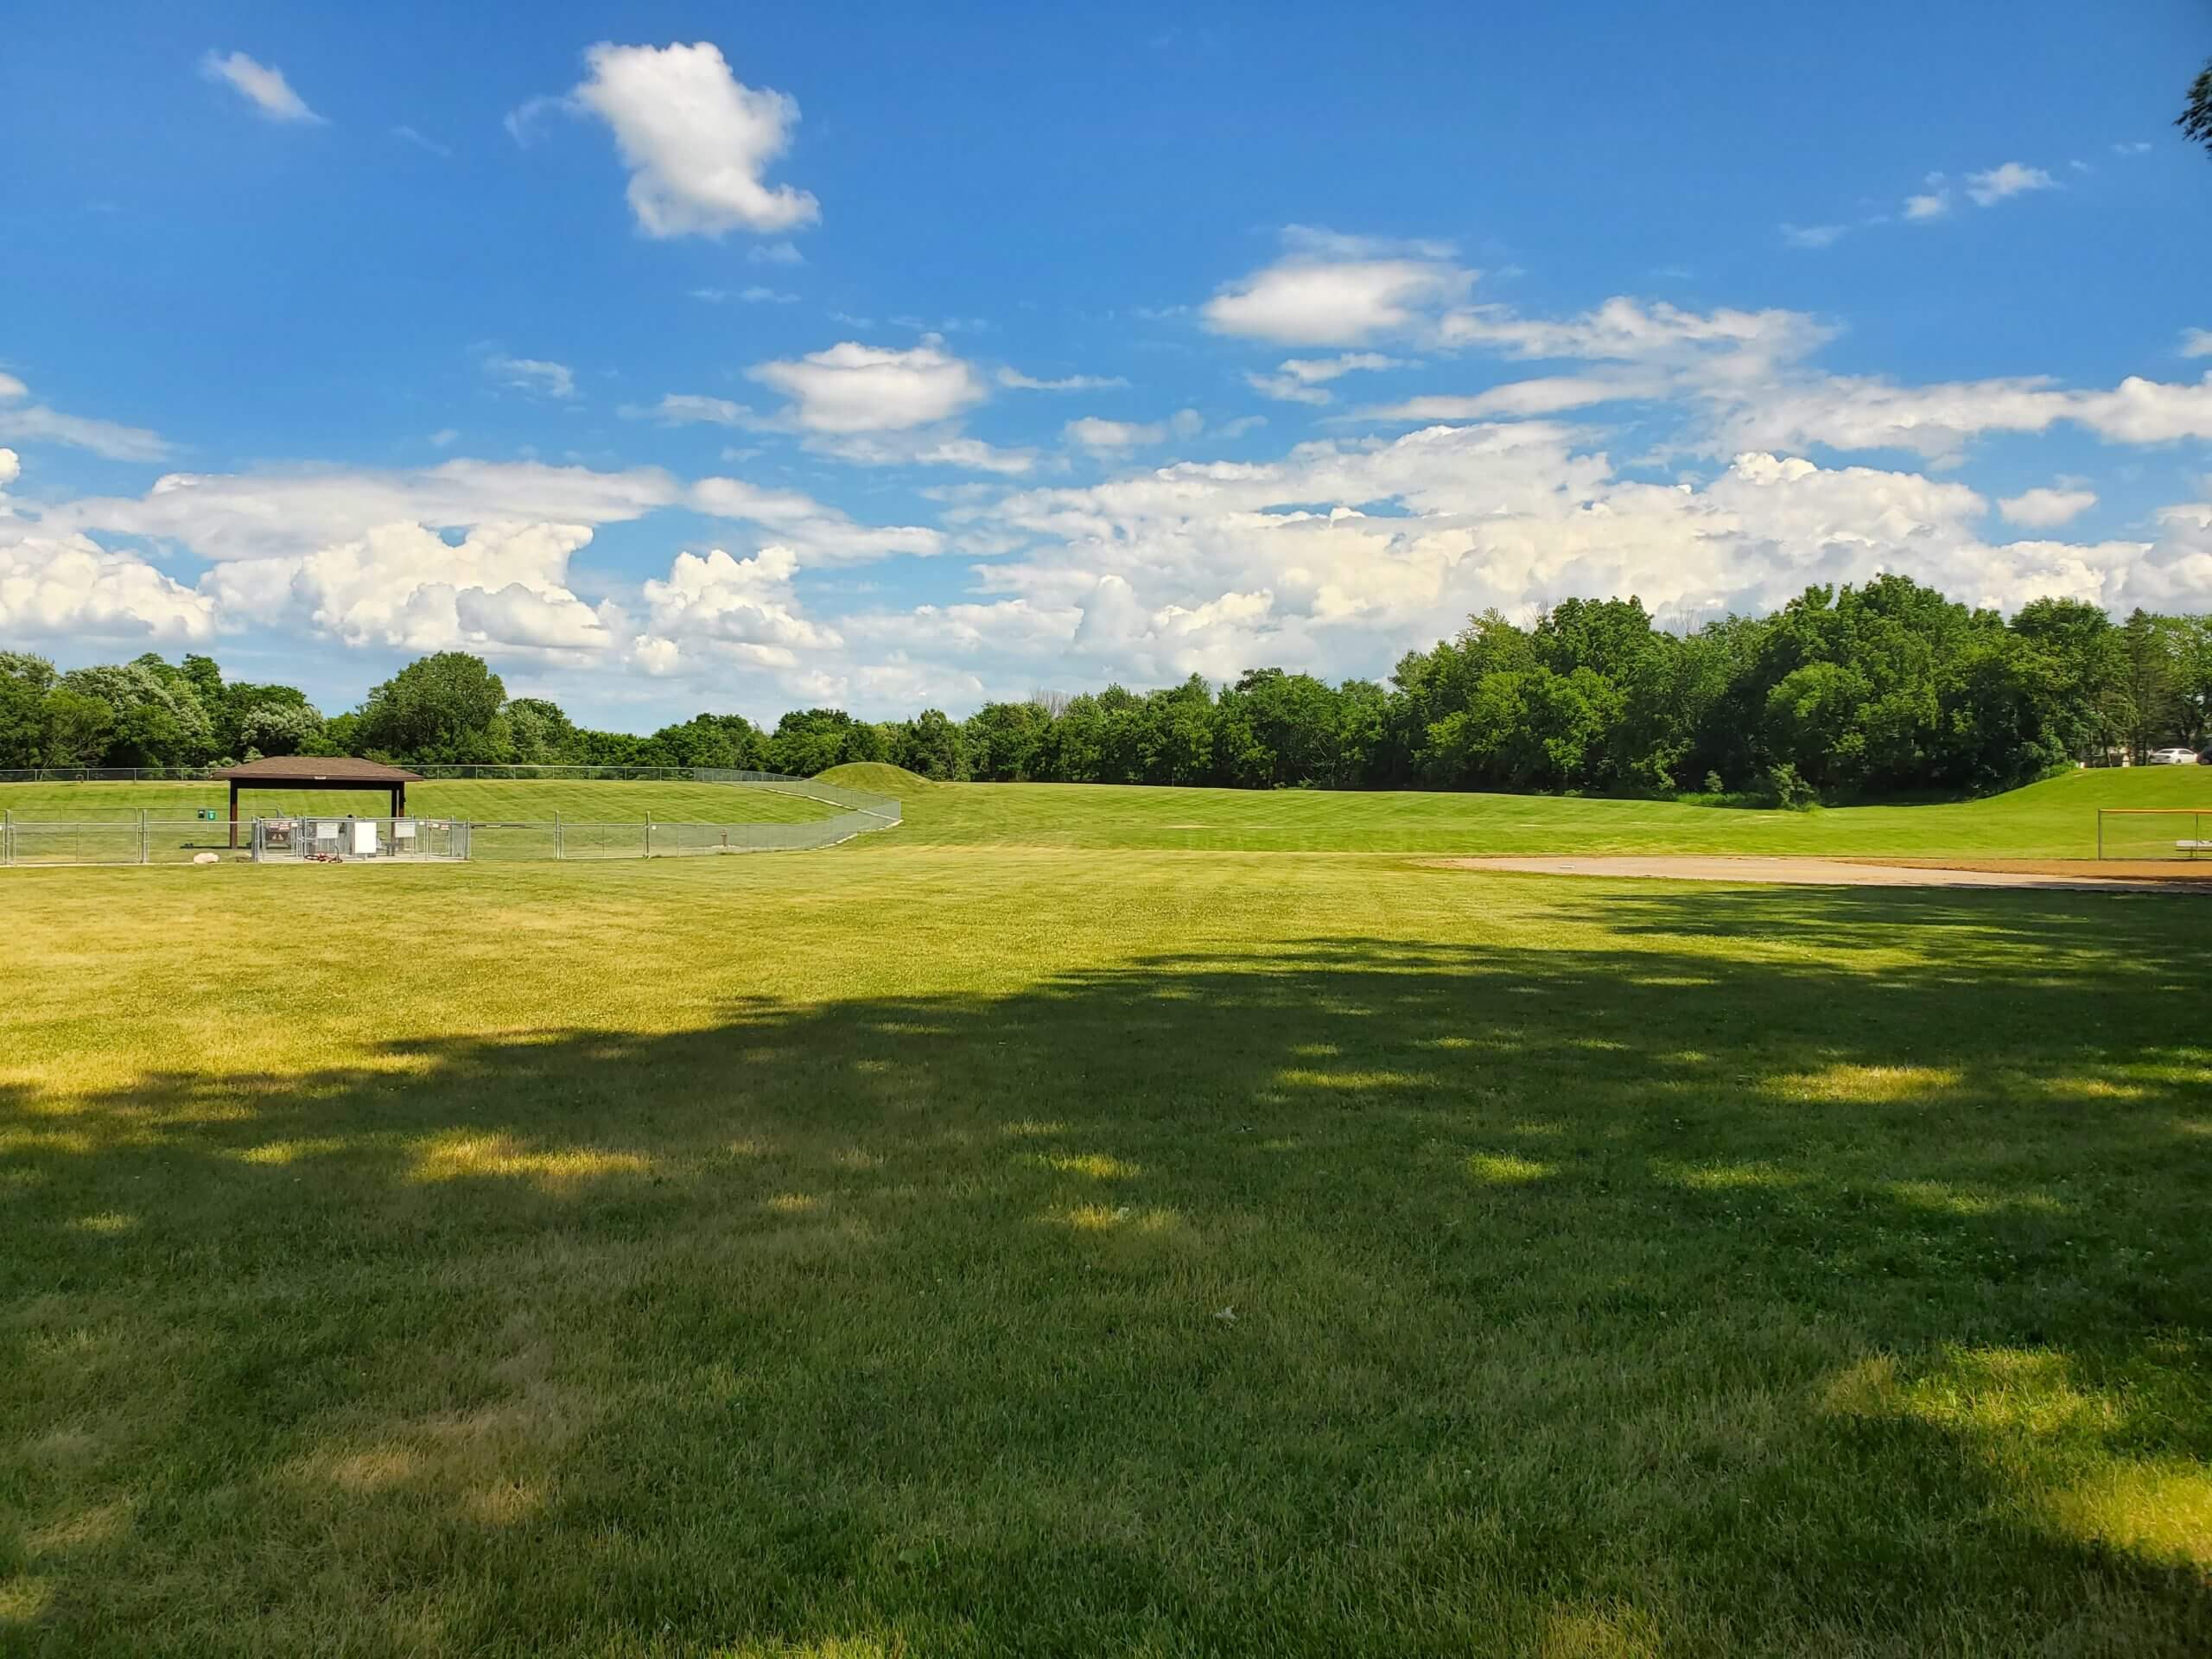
point(1878, 1085)
point(1098, 1166)
point(458, 1157)
point(1726, 1176)
point(1508, 1169)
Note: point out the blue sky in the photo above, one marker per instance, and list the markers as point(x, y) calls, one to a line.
point(688, 356)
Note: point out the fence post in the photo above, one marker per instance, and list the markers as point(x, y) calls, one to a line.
point(145, 839)
point(649, 835)
point(556, 836)
point(7, 837)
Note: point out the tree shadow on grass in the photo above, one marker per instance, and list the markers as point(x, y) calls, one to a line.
point(1372, 1295)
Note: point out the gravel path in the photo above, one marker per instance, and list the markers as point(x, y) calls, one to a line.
point(1805, 872)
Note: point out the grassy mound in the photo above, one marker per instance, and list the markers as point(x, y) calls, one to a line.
point(879, 777)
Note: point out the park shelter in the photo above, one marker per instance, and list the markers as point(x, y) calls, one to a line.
point(321, 772)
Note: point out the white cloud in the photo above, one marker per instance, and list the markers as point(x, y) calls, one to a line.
point(856, 388)
point(1548, 395)
point(1335, 290)
point(696, 139)
point(774, 253)
point(256, 516)
point(822, 534)
point(1094, 434)
point(2043, 509)
point(1299, 380)
point(1933, 205)
point(262, 85)
point(1340, 556)
point(1019, 382)
point(532, 374)
point(409, 135)
point(500, 589)
point(11, 466)
point(2138, 147)
point(1813, 236)
point(69, 587)
point(2011, 179)
point(684, 409)
point(2197, 342)
point(1937, 420)
point(1747, 344)
point(738, 608)
point(28, 423)
point(443, 437)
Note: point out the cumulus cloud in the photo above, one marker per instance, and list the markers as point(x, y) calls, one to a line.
point(1341, 555)
point(854, 388)
point(2197, 342)
point(69, 587)
point(739, 608)
point(2042, 509)
point(1933, 204)
point(2011, 179)
point(1813, 236)
point(697, 140)
point(262, 86)
point(1334, 290)
point(500, 589)
point(28, 423)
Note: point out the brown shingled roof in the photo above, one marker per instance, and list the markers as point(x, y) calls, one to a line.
point(310, 769)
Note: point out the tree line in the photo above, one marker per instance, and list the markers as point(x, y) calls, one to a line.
point(1883, 689)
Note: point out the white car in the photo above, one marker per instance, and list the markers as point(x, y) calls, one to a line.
point(2173, 757)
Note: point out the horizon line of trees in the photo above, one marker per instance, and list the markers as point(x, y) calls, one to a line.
point(1883, 689)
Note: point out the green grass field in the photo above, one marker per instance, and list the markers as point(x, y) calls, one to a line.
point(2056, 819)
point(921, 1249)
point(527, 801)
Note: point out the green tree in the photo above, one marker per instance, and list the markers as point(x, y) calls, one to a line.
point(157, 716)
point(442, 710)
point(77, 726)
point(808, 741)
point(273, 728)
point(1002, 740)
point(931, 745)
point(25, 684)
point(541, 733)
point(2196, 118)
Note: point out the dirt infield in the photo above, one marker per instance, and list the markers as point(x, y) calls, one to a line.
point(2084, 875)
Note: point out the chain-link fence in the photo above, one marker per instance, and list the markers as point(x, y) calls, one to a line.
point(331, 839)
point(142, 840)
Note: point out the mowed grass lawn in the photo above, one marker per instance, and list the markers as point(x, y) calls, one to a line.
point(526, 801)
point(2056, 819)
point(920, 1251)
